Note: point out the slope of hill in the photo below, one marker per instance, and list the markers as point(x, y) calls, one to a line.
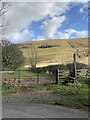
point(56, 51)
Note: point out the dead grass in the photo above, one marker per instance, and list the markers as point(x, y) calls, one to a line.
point(63, 53)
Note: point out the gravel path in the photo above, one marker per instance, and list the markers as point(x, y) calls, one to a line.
point(35, 97)
point(21, 106)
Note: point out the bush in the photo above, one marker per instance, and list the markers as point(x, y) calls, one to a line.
point(46, 46)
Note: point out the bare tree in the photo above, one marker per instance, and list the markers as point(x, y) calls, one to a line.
point(3, 21)
point(3, 26)
point(33, 58)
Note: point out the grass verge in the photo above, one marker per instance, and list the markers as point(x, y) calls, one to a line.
point(4, 90)
point(75, 94)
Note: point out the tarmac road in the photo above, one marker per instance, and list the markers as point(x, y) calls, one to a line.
point(21, 109)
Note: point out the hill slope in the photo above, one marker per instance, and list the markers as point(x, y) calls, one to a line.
point(56, 51)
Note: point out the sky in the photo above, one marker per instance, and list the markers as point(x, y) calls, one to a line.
point(48, 20)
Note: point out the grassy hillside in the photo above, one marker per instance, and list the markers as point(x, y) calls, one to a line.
point(60, 51)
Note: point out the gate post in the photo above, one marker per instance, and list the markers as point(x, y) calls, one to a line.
point(74, 57)
point(57, 76)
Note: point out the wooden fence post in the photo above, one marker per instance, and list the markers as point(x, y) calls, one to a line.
point(57, 76)
point(75, 74)
point(19, 75)
point(37, 77)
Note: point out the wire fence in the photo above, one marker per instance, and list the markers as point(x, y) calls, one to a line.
point(27, 77)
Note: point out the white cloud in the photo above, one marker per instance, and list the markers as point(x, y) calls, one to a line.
point(69, 34)
point(81, 10)
point(40, 38)
point(82, 34)
point(20, 15)
point(84, 8)
point(45, 0)
point(50, 26)
point(62, 35)
point(70, 31)
point(66, 34)
point(20, 36)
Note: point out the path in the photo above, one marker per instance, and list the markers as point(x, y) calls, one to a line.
point(15, 106)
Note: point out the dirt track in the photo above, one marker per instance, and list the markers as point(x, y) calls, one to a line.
point(21, 106)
